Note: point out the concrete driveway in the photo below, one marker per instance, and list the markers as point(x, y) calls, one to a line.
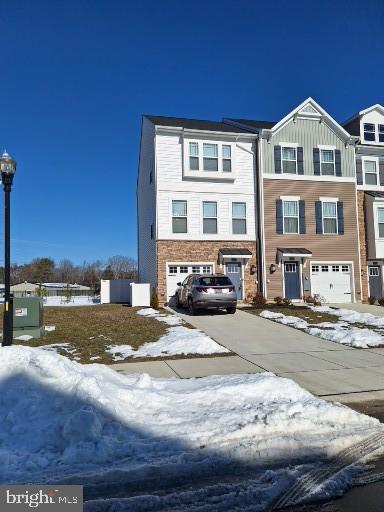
point(327, 369)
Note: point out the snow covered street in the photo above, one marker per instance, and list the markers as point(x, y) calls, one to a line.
point(236, 440)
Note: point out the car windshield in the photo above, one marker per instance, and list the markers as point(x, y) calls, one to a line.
point(214, 281)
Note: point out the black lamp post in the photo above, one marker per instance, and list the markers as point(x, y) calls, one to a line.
point(8, 169)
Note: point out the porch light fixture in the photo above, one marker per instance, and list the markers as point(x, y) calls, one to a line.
point(272, 268)
point(253, 269)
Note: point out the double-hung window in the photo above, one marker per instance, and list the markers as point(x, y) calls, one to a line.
point(209, 217)
point(194, 156)
point(289, 160)
point(179, 216)
point(369, 132)
point(370, 171)
point(380, 222)
point(329, 218)
point(291, 216)
point(227, 159)
point(210, 157)
point(327, 162)
point(239, 218)
point(381, 132)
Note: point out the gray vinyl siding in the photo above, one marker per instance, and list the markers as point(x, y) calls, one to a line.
point(309, 134)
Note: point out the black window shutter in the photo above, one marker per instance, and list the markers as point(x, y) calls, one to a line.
point(338, 162)
point(340, 218)
point(302, 217)
point(316, 161)
point(359, 172)
point(319, 217)
point(381, 171)
point(278, 159)
point(300, 162)
point(279, 217)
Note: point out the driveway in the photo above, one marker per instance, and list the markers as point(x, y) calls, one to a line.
point(361, 308)
point(327, 369)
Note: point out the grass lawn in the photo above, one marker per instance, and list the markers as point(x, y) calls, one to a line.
point(303, 312)
point(90, 329)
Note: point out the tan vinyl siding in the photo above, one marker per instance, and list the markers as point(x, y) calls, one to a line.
point(309, 134)
point(324, 247)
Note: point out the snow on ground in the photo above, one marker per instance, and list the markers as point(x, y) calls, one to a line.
point(24, 337)
point(161, 317)
point(339, 332)
point(230, 442)
point(75, 301)
point(350, 316)
point(50, 328)
point(177, 340)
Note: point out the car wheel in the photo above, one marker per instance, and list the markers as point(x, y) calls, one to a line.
point(191, 307)
point(231, 311)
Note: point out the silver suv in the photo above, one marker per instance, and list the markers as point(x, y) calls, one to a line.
point(206, 291)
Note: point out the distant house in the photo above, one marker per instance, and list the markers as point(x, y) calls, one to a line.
point(50, 289)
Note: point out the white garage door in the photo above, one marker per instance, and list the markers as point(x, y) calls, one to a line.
point(177, 273)
point(332, 282)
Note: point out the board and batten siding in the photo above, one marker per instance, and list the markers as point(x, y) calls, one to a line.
point(308, 134)
point(171, 185)
point(327, 248)
point(146, 204)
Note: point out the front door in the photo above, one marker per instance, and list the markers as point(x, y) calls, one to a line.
point(234, 274)
point(375, 282)
point(292, 280)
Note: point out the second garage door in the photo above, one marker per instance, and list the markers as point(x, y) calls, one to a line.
point(332, 282)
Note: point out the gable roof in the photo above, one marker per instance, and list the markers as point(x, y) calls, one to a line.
point(250, 123)
point(195, 124)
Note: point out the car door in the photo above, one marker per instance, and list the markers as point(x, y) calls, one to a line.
point(184, 289)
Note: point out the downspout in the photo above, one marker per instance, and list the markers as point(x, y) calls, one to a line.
point(260, 220)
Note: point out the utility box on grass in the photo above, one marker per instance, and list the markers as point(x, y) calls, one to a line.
point(28, 318)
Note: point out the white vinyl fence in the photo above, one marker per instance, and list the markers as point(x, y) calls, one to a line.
point(124, 291)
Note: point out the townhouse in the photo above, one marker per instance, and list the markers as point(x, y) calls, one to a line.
point(271, 204)
point(368, 126)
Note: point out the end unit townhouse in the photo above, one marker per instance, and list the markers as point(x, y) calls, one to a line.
point(368, 126)
point(271, 204)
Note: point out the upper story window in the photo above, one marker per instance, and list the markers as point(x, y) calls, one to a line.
point(370, 171)
point(380, 222)
point(291, 216)
point(381, 132)
point(239, 218)
point(227, 158)
point(179, 216)
point(329, 218)
point(210, 157)
point(289, 159)
point(369, 132)
point(194, 156)
point(209, 217)
point(327, 162)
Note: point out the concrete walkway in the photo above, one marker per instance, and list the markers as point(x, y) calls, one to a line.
point(327, 369)
point(361, 308)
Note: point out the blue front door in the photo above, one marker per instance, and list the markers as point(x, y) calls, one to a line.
point(234, 274)
point(292, 280)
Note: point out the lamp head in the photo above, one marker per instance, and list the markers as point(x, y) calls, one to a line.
point(7, 164)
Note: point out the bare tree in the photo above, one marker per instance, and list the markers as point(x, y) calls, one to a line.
point(66, 271)
point(122, 267)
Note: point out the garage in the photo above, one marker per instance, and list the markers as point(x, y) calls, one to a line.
point(332, 282)
point(177, 272)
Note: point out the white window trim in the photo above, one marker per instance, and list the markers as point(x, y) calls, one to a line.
point(291, 217)
point(370, 159)
point(327, 148)
point(240, 218)
point(376, 220)
point(171, 215)
point(202, 218)
point(375, 132)
point(287, 145)
point(290, 198)
point(201, 174)
point(329, 200)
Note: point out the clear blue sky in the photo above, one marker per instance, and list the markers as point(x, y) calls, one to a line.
point(76, 76)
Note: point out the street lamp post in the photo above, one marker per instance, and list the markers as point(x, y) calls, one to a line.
point(8, 169)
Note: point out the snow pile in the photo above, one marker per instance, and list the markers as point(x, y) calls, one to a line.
point(75, 301)
point(24, 337)
point(161, 317)
point(62, 421)
point(352, 317)
point(339, 332)
point(177, 340)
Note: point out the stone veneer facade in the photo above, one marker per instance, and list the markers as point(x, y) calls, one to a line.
point(200, 251)
point(363, 244)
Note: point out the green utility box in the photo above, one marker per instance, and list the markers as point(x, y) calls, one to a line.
point(28, 317)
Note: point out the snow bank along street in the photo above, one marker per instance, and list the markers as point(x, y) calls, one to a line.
point(237, 440)
point(178, 340)
point(340, 332)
